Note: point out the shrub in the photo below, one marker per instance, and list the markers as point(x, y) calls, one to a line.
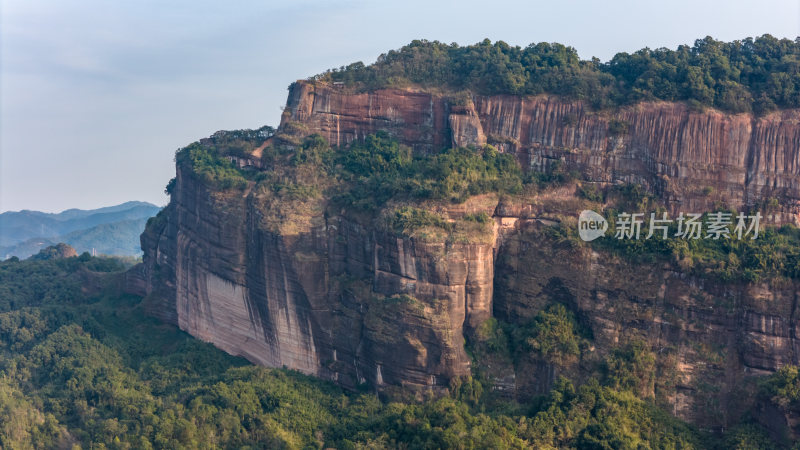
point(553, 335)
point(632, 367)
point(209, 167)
point(590, 192)
point(783, 387)
point(408, 219)
point(480, 217)
point(617, 127)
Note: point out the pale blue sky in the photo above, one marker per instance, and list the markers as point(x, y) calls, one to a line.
point(96, 95)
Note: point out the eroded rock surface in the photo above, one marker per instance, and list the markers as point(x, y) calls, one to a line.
point(691, 159)
point(345, 300)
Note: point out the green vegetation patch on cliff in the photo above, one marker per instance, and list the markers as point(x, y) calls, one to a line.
point(210, 167)
point(773, 254)
point(553, 334)
point(298, 177)
point(379, 169)
point(757, 75)
point(430, 226)
point(211, 159)
point(406, 220)
point(370, 178)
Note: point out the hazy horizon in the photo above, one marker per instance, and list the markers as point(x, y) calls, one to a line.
point(56, 212)
point(96, 98)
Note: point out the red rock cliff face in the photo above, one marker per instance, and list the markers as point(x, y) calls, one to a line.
point(326, 300)
point(693, 160)
point(708, 335)
point(349, 301)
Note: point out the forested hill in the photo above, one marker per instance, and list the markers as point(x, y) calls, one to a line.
point(112, 230)
point(82, 367)
point(751, 75)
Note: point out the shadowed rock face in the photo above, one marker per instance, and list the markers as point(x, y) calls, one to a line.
point(710, 334)
point(691, 159)
point(319, 301)
point(348, 301)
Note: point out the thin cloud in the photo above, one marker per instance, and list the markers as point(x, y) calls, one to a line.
point(95, 96)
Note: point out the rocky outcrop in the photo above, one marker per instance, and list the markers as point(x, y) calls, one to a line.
point(709, 335)
point(339, 300)
point(416, 118)
point(339, 297)
point(693, 160)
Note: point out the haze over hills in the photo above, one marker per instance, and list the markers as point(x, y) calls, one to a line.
point(112, 230)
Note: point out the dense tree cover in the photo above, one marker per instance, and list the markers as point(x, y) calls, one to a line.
point(377, 168)
point(210, 167)
point(757, 75)
point(750, 436)
point(775, 253)
point(369, 172)
point(594, 416)
point(380, 169)
point(210, 160)
point(92, 370)
point(28, 283)
point(553, 334)
point(784, 387)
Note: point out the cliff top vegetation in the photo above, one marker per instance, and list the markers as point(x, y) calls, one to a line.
point(378, 176)
point(751, 75)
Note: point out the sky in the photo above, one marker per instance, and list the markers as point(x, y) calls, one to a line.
point(96, 95)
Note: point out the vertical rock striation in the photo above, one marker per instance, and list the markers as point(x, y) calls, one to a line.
point(713, 333)
point(691, 159)
point(338, 300)
point(346, 300)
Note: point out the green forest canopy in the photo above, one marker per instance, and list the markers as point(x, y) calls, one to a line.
point(758, 75)
point(90, 369)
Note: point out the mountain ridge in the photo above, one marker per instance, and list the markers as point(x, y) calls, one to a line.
point(23, 233)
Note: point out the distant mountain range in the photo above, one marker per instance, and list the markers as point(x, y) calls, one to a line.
point(112, 230)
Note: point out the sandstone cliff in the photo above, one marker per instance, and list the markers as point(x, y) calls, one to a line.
point(691, 159)
point(709, 336)
point(326, 301)
point(343, 299)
